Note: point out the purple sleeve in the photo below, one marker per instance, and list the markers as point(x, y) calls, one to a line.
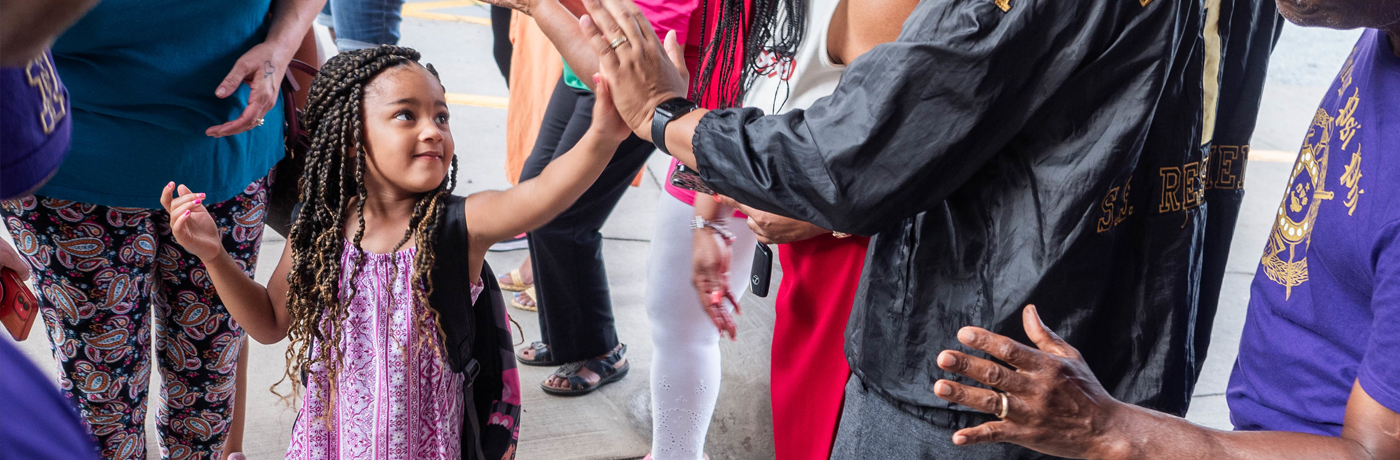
point(1380, 367)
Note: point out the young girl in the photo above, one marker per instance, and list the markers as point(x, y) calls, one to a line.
point(352, 288)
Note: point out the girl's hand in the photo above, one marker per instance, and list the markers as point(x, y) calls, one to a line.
point(710, 258)
point(261, 68)
point(191, 223)
point(606, 121)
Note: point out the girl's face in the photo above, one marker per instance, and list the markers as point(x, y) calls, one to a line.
point(406, 133)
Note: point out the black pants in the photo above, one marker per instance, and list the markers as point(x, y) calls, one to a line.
point(500, 40)
point(571, 284)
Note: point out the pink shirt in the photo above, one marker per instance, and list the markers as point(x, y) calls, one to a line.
point(396, 397)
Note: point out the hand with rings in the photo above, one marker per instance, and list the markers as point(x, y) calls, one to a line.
point(643, 71)
point(1048, 400)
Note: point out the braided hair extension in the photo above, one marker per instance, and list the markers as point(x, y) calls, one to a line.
point(771, 35)
point(333, 181)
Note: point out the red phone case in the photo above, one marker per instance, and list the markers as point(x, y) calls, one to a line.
point(18, 307)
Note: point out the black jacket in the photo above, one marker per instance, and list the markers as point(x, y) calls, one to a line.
point(1023, 151)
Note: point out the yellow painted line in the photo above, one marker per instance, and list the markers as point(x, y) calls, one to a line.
point(424, 11)
point(1270, 156)
point(493, 102)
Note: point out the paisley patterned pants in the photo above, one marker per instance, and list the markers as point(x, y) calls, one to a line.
point(106, 276)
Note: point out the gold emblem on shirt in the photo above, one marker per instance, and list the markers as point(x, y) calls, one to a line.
point(1005, 5)
point(1285, 256)
point(41, 75)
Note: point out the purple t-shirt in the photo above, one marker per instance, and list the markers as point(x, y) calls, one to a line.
point(34, 125)
point(1324, 309)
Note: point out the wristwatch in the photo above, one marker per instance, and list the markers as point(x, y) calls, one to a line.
point(666, 112)
point(718, 227)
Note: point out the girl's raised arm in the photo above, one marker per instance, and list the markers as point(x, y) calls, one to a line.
point(261, 311)
point(499, 215)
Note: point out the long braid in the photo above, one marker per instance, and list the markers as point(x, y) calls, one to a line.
point(331, 183)
point(772, 32)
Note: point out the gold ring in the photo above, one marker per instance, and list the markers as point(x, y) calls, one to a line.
point(260, 121)
point(618, 42)
point(1005, 406)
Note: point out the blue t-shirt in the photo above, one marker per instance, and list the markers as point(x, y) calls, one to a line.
point(1324, 309)
point(34, 125)
point(141, 76)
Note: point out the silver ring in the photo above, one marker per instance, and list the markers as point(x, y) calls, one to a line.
point(618, 42)
point(1005, 406)
point(260, 121)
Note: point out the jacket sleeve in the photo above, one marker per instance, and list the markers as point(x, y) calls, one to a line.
point(911, 120)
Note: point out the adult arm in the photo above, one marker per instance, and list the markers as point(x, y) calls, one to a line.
point(263, 66)
point(27, 27)
point(909, 123)
point(1056, 406)
point(559, 21)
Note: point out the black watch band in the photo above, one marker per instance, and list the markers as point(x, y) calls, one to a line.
point(667, 111)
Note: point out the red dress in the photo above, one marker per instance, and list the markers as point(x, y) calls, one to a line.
point(809, 374)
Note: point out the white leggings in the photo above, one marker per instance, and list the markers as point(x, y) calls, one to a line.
point(685, 372)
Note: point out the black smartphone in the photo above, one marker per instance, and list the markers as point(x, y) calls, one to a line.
point(762, 271)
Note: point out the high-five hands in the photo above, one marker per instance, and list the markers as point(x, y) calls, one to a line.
point(644, 72)
point(191, 223)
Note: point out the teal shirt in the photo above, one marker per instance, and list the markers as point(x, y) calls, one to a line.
point(141, 76)
point(572, 80)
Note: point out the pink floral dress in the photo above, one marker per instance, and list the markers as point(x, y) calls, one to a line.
point(396, 398)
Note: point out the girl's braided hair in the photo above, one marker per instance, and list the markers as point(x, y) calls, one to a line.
point(334, 180)
point(765, 40)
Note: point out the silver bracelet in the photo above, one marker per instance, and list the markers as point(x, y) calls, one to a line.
point(718, 227)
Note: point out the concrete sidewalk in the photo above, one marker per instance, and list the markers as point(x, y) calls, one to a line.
point(615, 422)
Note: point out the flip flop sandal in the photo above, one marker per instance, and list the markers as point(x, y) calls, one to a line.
point(542, 356)
point(604, 367)
point(517, 283)
point(515, 301)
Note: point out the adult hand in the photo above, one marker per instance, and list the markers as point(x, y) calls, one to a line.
point(638, 66)
point(710, 257)
point(191, 223)
point(9, 258)
point(772, 228)
point(1054, 403)
point(261, 68)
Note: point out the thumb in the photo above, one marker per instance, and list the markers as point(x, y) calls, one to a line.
point(1042, 336)
point(231, 81)
point(677, 55)
point(601, 91)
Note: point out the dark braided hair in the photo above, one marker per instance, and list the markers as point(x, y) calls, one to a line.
point(771, 34)
point(334, 179)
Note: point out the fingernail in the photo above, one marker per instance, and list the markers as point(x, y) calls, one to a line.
point(942, 389)
point(716, 197)
point(959, 439)
point(966, 335)
point(596, 80)
point(187, 212)
point(201, 196)
point(947, 360)
point(171, 184)
point(197, 201)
